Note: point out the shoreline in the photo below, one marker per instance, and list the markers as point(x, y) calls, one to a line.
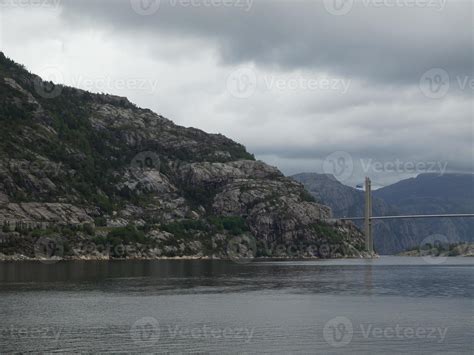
point(460, 250)
point(22, 258)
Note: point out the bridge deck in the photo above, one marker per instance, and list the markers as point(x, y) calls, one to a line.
point(458, 215)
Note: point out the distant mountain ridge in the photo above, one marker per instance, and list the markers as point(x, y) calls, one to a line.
point(446, 187)
point(425, 194)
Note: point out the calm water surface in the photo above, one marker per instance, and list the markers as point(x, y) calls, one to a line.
point(389, 305)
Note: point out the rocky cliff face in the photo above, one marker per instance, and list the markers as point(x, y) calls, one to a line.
point(86, 167)
point(426, 194)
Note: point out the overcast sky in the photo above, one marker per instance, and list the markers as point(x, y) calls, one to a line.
point(382, 88)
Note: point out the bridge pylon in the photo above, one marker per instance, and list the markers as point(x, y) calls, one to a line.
point(369, 240)
point(369, 219)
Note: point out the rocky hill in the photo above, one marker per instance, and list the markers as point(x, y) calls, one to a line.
point(425, 194)
point(83, 175)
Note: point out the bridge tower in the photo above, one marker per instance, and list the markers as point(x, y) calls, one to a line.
point(369, 241)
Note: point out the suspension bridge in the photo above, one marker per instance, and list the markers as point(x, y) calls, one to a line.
point(369, 218)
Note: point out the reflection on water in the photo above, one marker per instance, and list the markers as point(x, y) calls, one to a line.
point(352, 277)
point(273, 306)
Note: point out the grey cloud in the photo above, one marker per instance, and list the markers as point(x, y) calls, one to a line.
point(390, 45)
point(191, 51)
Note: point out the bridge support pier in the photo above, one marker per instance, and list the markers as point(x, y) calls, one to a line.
point(369, 241)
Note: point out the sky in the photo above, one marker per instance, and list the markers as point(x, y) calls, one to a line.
point(378, 88)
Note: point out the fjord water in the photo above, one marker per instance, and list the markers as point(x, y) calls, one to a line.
point(388, 305)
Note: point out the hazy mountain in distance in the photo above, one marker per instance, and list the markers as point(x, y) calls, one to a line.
point(447, 192)
point(425, 194)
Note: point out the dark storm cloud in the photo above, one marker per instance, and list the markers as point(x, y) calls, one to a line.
point(393, 45)
point(387, 110)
